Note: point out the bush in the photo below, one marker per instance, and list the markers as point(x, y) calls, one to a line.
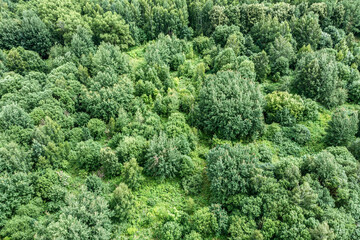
point(18, 228)
point(202, 44)
point(17, 189)
point(164, 106)
point(29, 32)
point(225, 60)
point(222, 33)
point(242, 228)
point(104, 103)
point(342, 127)
point(265, 153)
point(132, 174)
point(354, 92)
point(97, 128)
point(166, 51)
point(163, 159)
point(230, 112)
point(13, 159)
point(108, 57)
point(192, 183)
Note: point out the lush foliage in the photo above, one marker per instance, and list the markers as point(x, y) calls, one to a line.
point(179, 119)
point(230, 112)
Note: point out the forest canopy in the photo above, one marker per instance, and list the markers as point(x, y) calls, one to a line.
point(174, 119)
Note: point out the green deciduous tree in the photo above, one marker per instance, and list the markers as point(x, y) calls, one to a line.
point(13, 158)
point(163, 158)
point(230, 170)
point(108, 57)
point(110, 162)
point(87, 155)
point(84, 216)
point(170, 231)
point(122, 202)
point(97, 128)
point(13, 115)
point(342, 127)
point(306, 30)
point(262, 65)
point(230, 113)
point(317, 78)
point(28, 32)
point(287, 109)
point(111, 27)
point(132, 174)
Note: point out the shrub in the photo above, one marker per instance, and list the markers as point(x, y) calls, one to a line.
point(164, 106)
point(222, 33)
point(166, 51)
point(84, 216)
point(13, 159)
point(230, 112)
point(342, 127)
point(354, 92)
point(241, 228)
point(262, 67)
point(16, 189)
point(221, 217)
point(108, 57)
point(225, 60)
point(105, 103)
point(202, 44)
point(192, 183)
point(265, 153)
point(193, 235)
point(18, 227)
